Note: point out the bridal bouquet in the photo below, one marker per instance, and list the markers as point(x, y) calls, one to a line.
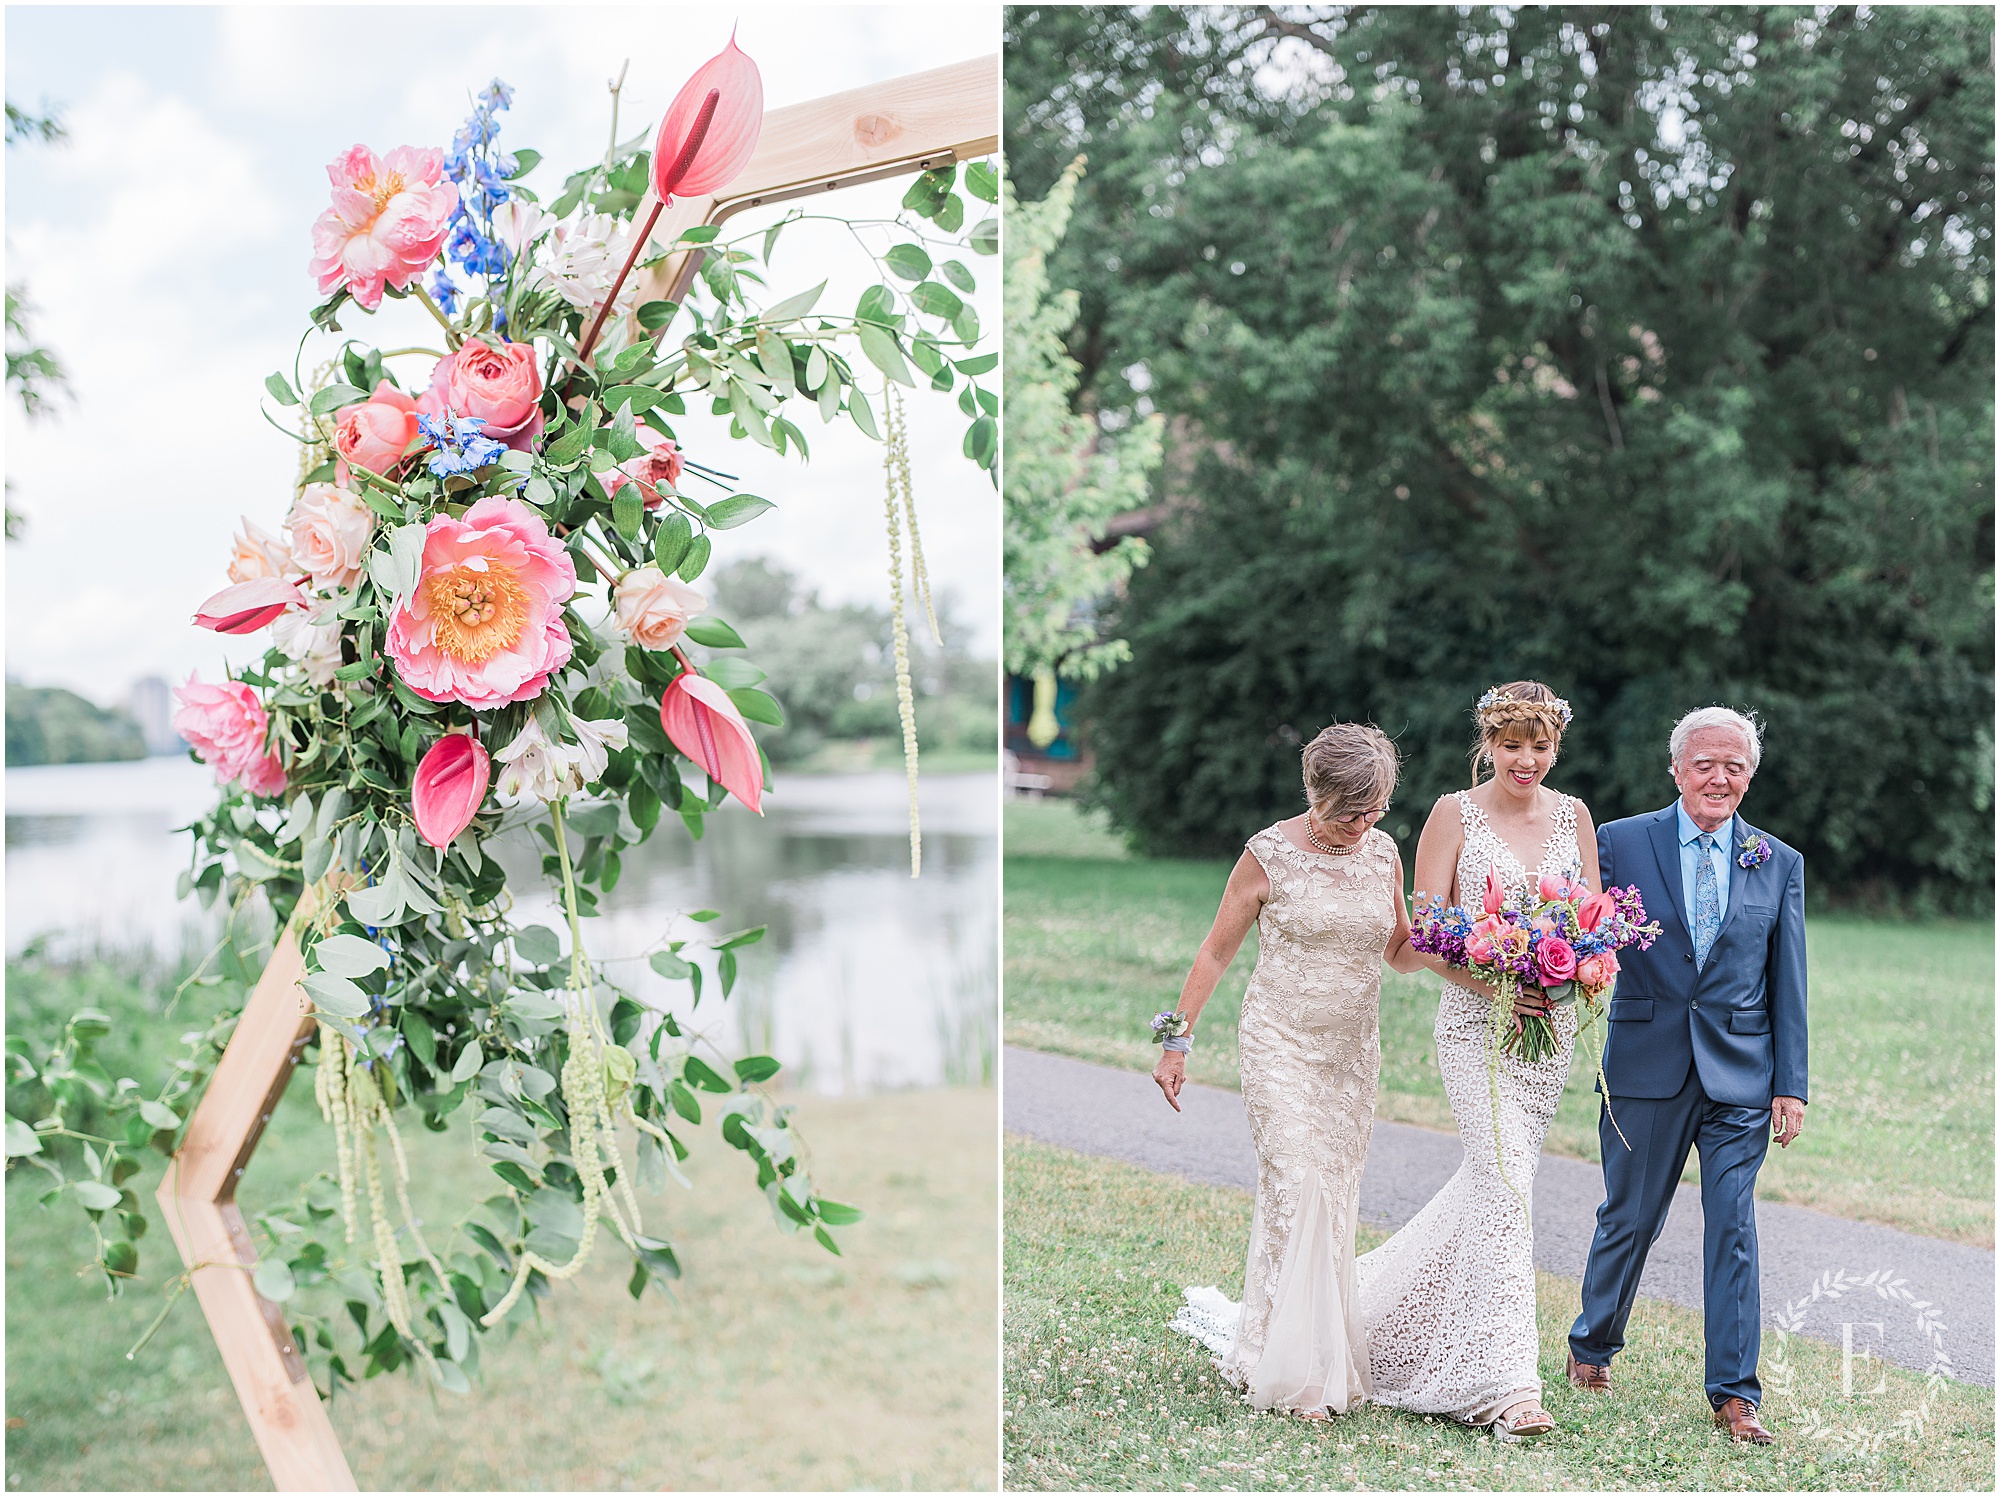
point(481, 613)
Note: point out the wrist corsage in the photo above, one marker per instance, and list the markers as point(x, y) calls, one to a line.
point(1752, 850)
point(1170, 1031)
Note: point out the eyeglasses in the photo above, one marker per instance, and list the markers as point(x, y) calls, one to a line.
point(1353, 816)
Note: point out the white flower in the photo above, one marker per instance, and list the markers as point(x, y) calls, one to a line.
point(310, 637)
point(535, 766)
point(518, 224)
point(587, 255)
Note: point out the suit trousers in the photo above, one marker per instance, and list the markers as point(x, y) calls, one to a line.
point(1639, 1188)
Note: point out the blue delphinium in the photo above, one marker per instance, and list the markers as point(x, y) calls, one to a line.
point(481, 176)
point(459, 443)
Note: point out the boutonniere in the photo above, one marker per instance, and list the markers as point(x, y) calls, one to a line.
point(1752, 850)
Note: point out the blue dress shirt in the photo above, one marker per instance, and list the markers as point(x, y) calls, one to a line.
point(1690, 850)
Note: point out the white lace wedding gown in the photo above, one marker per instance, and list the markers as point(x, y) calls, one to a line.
point(1448, 1303)
point(1310, 1052)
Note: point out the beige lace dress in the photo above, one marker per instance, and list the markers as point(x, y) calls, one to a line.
point(1448, 1303)
point(1310, 1052)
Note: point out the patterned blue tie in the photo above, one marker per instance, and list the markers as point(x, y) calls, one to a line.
point(1707, 901)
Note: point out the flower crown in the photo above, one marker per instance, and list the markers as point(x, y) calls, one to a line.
point(1495, 697)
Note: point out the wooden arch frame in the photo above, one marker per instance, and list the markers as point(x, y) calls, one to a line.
point(888, 129)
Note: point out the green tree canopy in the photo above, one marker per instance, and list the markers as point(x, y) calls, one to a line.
point(1647, 352)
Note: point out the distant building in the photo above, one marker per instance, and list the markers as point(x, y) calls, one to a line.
point(151, 705)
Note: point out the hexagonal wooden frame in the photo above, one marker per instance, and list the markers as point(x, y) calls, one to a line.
point(894, 128)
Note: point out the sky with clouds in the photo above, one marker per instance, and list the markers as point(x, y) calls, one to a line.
point(163, 247)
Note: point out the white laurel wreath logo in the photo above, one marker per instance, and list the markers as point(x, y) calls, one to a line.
point(1863, 1437)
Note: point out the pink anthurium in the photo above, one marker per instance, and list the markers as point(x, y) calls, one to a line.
point(711, 127)
point(1590, 914)
point(245, 607)
point(449, 786)
point(1496, 896)
point(705, 725)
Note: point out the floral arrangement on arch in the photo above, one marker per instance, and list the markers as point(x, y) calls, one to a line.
point(483, 608)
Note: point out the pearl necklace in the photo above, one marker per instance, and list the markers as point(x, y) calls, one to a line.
point(1312, 836)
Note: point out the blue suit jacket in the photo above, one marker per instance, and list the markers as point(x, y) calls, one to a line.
point(1741, 1020)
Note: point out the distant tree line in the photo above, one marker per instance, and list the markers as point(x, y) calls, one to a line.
point(49, 725)
point(1647, 351)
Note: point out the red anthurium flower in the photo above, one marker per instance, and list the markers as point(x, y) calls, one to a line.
point(1590, 914)
point(1496, 896)
point(245, 607)
point(449, 787)
point(705, 725)
point(711, 127)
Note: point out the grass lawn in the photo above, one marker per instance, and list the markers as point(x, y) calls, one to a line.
point(1100, 1395)
point(1900, 1126)
point(773, 1365)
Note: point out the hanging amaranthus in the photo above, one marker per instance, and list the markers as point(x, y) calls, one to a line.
point(901, 512)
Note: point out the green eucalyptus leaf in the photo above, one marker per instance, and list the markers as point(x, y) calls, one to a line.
point(281, 389)
point(715, 634)
point(349, 956)
point(333, 397)
point(737, 509)
point(907, 262)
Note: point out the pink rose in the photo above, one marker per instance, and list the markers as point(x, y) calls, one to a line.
point(226, 726)
point(1552, 886)
point(654, 608)
point(373, 433)
point(257, 554)
point(1596, 972)
point(1557, 959)
point(484, 624)
point(1480, 949)
point(387, 222)
point(330, 527)
point(657, 468)
point(501, 386)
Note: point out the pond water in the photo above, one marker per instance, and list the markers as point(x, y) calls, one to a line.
point(867, 979)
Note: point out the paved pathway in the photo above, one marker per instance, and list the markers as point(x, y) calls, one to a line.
point(1121, 1115)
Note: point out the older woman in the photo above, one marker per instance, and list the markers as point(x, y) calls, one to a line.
point(1325, 891)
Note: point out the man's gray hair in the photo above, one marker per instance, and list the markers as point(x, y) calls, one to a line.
point(1717, 717)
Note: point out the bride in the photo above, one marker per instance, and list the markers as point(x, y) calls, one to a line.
point(1448, 1303)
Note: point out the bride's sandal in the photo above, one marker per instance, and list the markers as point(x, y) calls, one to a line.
point(1526, 1424)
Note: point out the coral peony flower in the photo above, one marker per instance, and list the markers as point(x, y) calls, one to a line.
point(501, 386)
point(374, 432)
point(654, 609)
point(1557, 959)
point(657, 468)
point(226, 725)
point(246, 607)
point(258, 553)
point(711, 127)
point(1590, 914)
point(449, 785)
point(386, 224)
point(484, 624)
point(1596, 972)
point(705, 725)
point(330, 527)
point(1496, 894)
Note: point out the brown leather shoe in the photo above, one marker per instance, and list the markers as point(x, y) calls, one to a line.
point(1590, 1378)
point(1739, 1417)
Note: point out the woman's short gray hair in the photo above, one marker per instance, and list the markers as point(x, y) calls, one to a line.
point(1349, 767)
point(1717, 717)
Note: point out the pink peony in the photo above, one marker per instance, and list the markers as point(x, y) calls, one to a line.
point(258, 554)
point(654, 609)
point(501, 386)
point(1557, 959)
point(705, 725)
point(1596, 972)
point(373, 432)
point(711, 128)
point(450, 783)
point(330, 527)
point(387, 222)
point(226, 726)
point(657, 468)
point(484, 624)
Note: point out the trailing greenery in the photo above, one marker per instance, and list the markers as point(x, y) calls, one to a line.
point(48, 725)
point(1100, 1396)
point(1645, 351)
point(1900, 1130)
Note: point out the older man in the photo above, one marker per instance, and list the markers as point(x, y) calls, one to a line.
point(1707, 1050)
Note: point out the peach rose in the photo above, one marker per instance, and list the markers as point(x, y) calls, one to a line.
point(258, 553)
point(226, 725)
point(501, 386)
point(373, 433)
point(657, 468)
point(1597, 971)
point(330, 527)
point(654, 609)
